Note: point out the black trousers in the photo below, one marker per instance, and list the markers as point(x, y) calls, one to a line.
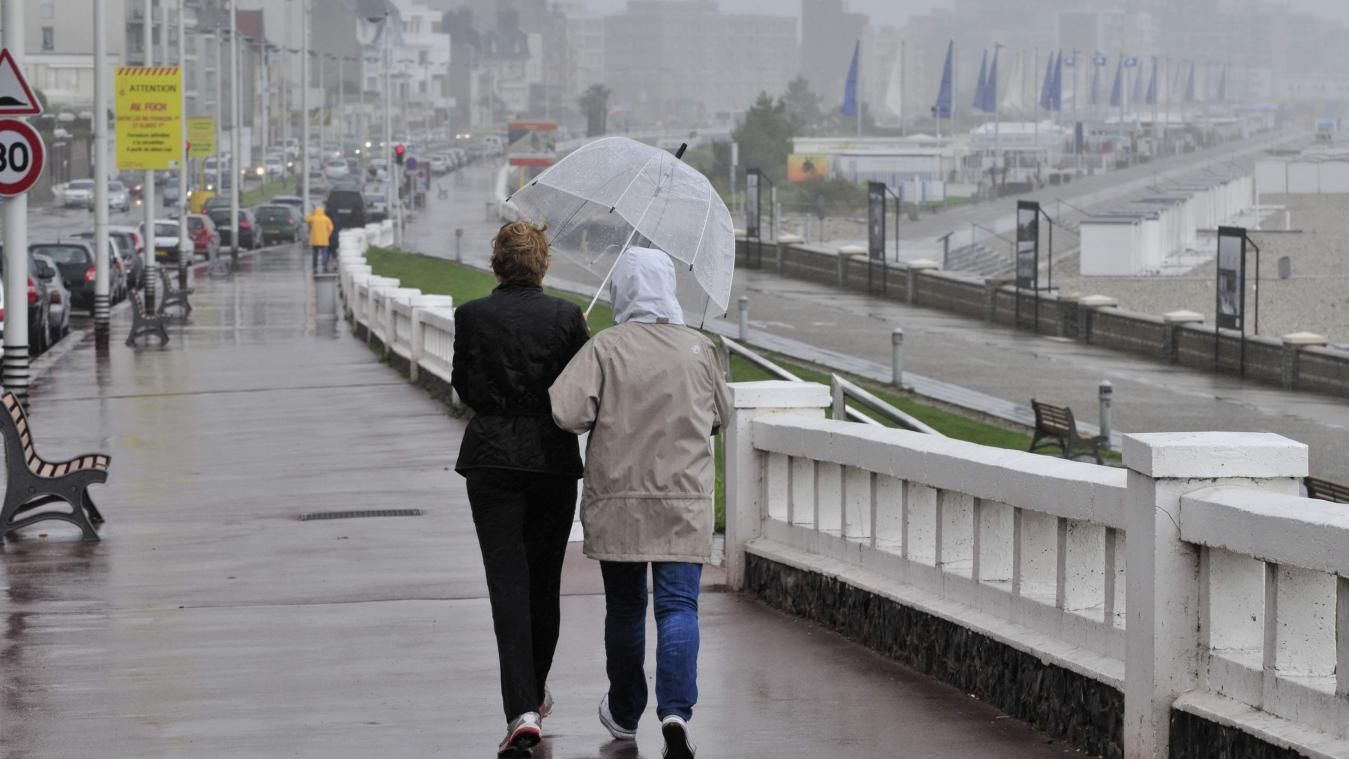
point(523, 520)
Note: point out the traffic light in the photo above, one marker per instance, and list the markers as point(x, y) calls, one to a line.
point(399, 153)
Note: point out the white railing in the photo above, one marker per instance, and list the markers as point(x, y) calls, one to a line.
point(1197, 563)
point(415, 326)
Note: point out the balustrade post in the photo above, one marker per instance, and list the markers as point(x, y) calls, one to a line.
point(745, 507)
point(1164, 595)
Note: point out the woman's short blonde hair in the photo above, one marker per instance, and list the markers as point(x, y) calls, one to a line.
point(520, 254)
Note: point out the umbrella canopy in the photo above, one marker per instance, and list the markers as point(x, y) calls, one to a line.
point(614, 193)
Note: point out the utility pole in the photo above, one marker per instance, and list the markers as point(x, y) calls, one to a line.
point(236, 143)
point(185, 246)
point(148, 190)
point(304, 104)
point(341, 99)
point(391, 188)
point(101, 262)
point(266, 77)
point(322, 61)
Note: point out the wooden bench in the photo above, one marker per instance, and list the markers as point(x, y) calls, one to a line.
point(1055, 427)
point(32, 482)
point(170, 296)
point(1326, 490)
point(143, 324)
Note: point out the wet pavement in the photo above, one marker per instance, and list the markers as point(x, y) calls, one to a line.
point(212, 622)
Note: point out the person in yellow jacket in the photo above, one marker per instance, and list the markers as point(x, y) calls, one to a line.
point(320, 235)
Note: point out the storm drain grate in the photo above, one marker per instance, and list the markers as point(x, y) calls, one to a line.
point(315, 515)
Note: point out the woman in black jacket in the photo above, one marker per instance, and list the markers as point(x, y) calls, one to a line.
point(521, 469)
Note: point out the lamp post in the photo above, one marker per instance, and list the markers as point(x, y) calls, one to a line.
point(185, 246)
point(304, 104)
point(236, 144)
point(101, 263)
point(148, 189)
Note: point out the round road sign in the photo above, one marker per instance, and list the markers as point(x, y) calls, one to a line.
point(412, 164)
point(22, 156)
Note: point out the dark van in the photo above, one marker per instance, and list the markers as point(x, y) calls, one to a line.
point(346, 208)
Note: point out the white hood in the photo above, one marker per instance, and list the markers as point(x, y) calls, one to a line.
point(643, 288)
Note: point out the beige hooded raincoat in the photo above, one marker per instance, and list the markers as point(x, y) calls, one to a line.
point(651, 392)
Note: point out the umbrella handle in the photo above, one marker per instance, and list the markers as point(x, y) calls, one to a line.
point(680, 152)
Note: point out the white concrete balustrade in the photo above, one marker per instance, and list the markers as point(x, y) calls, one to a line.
point(1195, 578)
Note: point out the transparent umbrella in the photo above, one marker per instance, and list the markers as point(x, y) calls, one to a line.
point(614, 193)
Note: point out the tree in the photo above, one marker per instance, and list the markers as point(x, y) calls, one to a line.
point(803, 105)
point(595, 105)
point(765, 137)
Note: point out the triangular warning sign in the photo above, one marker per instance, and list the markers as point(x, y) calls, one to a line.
point(16, 97)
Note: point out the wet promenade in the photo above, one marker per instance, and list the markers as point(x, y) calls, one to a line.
point(212, 622)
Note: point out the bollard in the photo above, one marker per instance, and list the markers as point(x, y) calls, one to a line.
point(897, 358)
point(458, 242)
point(744, 319)
point(1285, 267)
point(1106, 392)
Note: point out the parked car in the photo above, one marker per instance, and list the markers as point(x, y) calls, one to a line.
point(58, 314)
point(354, 168)
point(248, 236)
point(119, 282)
point(215, 204)
point(205, 237)
point(279, 223)
point(131, 248)
point(376, 207)
point(276, 168)
point(165, 239)
point(439, 164)
point(78, 193)
point(346, 208)
point(74, 259)
point(294, 201)
point(39, 303)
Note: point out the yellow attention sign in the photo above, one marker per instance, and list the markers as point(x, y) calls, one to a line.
point(200, 136)
point(149, 117)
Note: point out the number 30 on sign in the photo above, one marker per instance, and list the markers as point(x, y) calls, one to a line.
point(22, 156)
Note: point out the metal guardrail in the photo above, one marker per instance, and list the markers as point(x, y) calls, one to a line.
point(841, 391)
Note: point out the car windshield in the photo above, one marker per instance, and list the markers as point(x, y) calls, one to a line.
point(222, 216)
point(82, 184)
point(117, 187)
point(63, 254)
point(273, 213)
point(194, 223)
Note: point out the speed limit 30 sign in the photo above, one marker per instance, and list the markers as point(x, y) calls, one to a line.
point(22, 156)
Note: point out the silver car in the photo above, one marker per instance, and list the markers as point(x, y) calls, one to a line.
point(58, 312)
point(78, 193)
point(119, 197)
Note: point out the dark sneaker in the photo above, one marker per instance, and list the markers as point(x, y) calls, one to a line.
point(521, 735)
point(678, 745)
point(619, 732)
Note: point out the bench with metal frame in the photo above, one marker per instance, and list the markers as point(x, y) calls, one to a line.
point(32, 482)
point(1326, 490)
point(173, 296)
point(1055, 427)
point(144, 324)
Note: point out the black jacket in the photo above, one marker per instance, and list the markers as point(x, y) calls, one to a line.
point(508, 349)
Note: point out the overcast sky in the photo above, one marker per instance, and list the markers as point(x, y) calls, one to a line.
point(894, 11)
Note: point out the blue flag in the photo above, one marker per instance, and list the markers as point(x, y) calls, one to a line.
point(850, 89)
point(1045, 102)
point(1117, 89)
point(978, 103)
point(1056, 87)
point(990, 104)
point(942, 108)
point(1151, 98)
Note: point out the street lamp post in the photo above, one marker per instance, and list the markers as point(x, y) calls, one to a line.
point(304, 103)
point(148, 189)
point(101, 263)
point(236, 145)
point(185, 246)
point(391, 200)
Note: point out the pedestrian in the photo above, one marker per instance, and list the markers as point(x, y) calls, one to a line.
point(521, 468)
point(651, 392)
point(320, 234)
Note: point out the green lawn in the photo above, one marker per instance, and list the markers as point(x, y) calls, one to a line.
point(435, 275)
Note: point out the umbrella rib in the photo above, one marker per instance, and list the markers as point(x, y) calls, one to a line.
point(630, 183)
point(706, 218)
point(619, 257)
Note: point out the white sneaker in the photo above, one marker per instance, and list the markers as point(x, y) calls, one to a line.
point(678, 745)
point(619, 732)
point(546, 708)
point(523, 734)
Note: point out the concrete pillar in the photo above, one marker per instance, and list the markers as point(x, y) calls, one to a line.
point(991, 288)
point(1070, 316)
point(745, 507)
point(845, 255)
point(1088, 306)
point(1163, 578)
point(1174, 321)
point(1292, 346)
point(784, 242)
point(912, 271)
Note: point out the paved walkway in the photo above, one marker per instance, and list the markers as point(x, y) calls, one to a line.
point(212, 622)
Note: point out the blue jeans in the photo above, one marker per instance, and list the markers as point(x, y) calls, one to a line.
point(676, 605)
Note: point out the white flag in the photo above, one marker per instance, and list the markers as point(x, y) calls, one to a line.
point(894, 90)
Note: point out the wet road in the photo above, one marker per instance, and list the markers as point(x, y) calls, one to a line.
point(212, 622)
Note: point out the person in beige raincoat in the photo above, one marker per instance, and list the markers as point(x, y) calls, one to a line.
point(651, 392)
